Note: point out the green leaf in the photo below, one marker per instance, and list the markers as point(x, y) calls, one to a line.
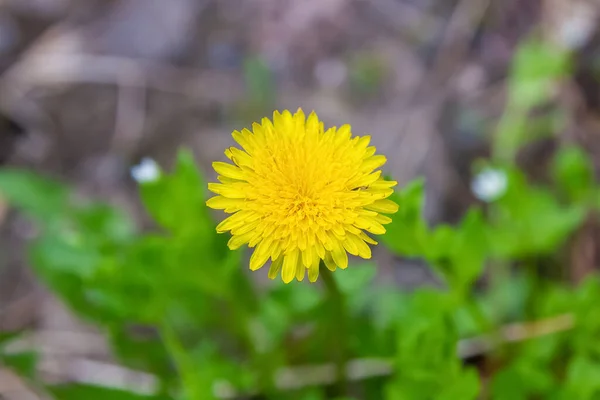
point(136, 293)
point(207, 365)
point(354, 283)
point(36, 196)
point(104, 224)
point(316, 394)
point(507, 300)
point(215, 274)
point(283, 306)
point(388, 305)
point(7, 337)
point(573, 171)
point(427, 365)
point(535, 66)
point(583, 379)
point(459, 253)
point(583, 339)
point(194, 256)
point(441, 243)
point(356, 278)
point(508, 384)
point(177, 201)
point(406, 234)
point(269, 327)
point(530, 221)
point(465, 386)
point(426, 336)
point(66, 254)
point(523, 379)
point(300, 298)
point(89, 392)
point(66, 267)
point(536, 70)
point(141, 348)
point(22, 363)
point(470, 249)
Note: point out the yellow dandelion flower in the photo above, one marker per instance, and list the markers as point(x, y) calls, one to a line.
point(300, 194)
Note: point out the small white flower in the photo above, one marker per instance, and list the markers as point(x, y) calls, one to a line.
point(146, 171)
point(577, 28)
point(489, 184)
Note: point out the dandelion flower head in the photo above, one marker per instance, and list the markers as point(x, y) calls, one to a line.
point(299, 194)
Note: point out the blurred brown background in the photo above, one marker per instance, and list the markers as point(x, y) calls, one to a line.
point(90, 87)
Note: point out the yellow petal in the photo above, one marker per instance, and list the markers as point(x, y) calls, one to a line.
point(290, 260)
point(363, 249)
point(308, 256)
point(245, 228)
point(224, 179)
point(383, 206)
point(380, 194)
point(300, 118)
point(372, 163)
point(240, 157)
point(244, 140)
point(367, 213)
point(260, 255)
point(364, 180)
point(320, 249)
point(232, 190)
point(369, 152)
point(228, 170)
point(324, 239)
point(383, 219)
point(340, 256)
point(313, 272)
point(276, 249)
point(329, 263)
point(350, 246)
point(312, 127)
point(338, 230)
point(342, 134)
point(302, 241)
point(238, 241)
point(221, 203)
point(369, 224)
point(383, 184)
point(363, 142)
point(283, 121)
point(366, 238)
point(259, 133)
point(266, 123)
point(230, 223)
point(300, 271)
point(275, 267)
point(352, 229)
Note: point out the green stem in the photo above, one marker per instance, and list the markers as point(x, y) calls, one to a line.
point(184, 364)
point(499, 275)
point(479, 317)
point(339, 328)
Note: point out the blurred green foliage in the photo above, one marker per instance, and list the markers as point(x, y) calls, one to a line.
point(535, 79)
point(367, 74)
point(176, 303)
point(260, 90)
